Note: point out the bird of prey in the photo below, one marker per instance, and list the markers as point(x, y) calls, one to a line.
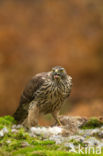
point(44, 93)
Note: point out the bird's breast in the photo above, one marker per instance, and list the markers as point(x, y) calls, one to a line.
point(51, 96)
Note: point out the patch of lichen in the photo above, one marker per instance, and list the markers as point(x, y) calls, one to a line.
point(92, 123)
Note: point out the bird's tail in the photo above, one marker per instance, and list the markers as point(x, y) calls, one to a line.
point(21, 113)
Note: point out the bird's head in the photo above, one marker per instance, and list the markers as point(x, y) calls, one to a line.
point(58, 73)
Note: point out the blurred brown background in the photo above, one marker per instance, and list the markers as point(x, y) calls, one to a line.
point(36, 35)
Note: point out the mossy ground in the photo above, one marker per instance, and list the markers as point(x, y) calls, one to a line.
point(13, 143)
point(92, 123)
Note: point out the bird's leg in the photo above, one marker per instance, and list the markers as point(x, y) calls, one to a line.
point(55, 116)
point(32, 118)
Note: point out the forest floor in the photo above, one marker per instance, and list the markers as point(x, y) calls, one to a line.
point(77, 136)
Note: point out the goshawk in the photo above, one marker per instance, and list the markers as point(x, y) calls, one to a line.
point(45, 93)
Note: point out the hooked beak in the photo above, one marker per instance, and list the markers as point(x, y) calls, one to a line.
point(56, 76)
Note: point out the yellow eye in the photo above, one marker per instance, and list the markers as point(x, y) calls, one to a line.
point(53, 70)
point(61, 70)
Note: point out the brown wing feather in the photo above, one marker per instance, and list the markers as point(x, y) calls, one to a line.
point(28, 95)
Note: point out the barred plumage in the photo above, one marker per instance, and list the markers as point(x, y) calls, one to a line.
point(45, 93)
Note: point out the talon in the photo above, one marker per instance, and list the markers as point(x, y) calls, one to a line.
point(59, 122)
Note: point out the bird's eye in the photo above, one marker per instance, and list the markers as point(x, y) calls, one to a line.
point(62, 70)
point(53, 70)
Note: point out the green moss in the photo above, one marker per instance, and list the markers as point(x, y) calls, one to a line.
point(6, 121)
point(30, 151)
point(1, 126)
point(76, 143)
point(4, 153)
point(12, 143)
point(42, 142)
point(21, 134)
point(10, 119)
point(92, 123)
